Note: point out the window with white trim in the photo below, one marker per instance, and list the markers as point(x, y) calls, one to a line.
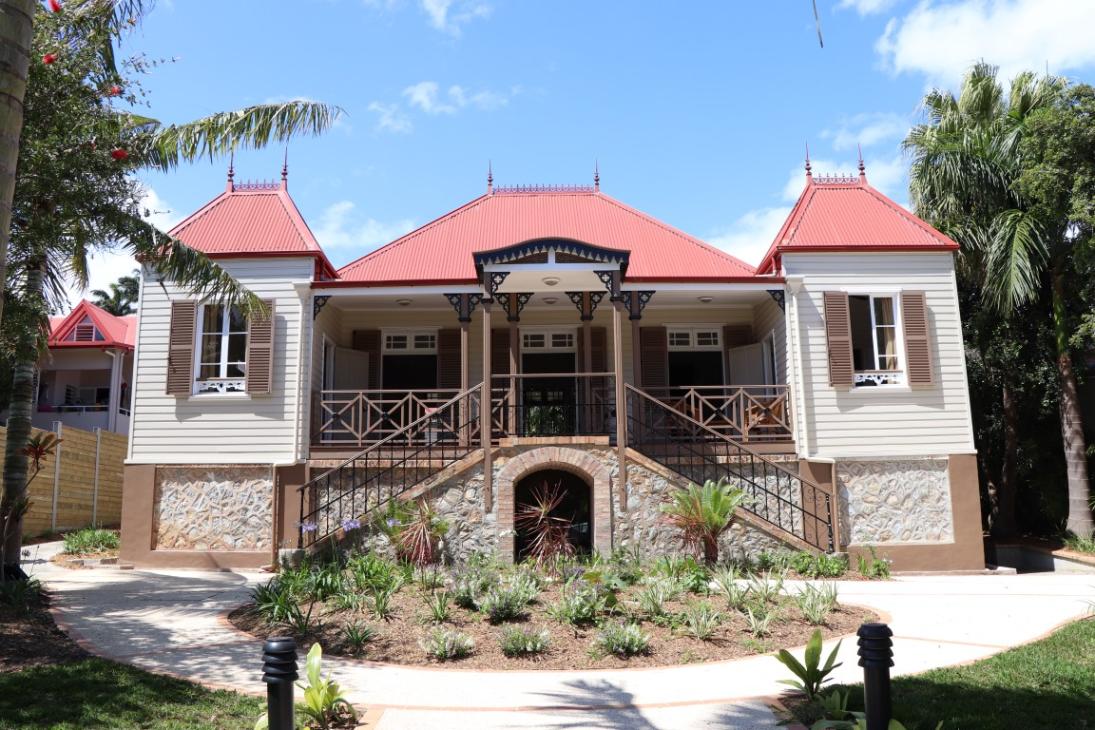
point(548, 341)
point(876, 340)
point(410, 342)
point(694, 338)
point(85, 331)
point(222, 350)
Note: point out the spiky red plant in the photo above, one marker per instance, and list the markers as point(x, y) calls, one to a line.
point(549, 533)
point(55, 6)
point(49, 58)
point(417, 539)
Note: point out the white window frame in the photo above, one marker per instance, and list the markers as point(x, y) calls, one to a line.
point(220, 384)
point(412, 346)
point(878, 376)
point(693, 331)
point(549, 335)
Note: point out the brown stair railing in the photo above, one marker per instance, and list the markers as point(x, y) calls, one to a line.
point(357, 487)
point(698, 453)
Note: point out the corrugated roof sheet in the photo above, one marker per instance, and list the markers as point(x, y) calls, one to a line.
point(847, 214)
point(116, 331)
point(441, 251)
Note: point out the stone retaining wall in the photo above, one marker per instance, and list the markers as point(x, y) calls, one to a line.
point(895, 501)
point(213, 508)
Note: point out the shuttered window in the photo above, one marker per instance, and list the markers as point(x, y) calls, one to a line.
point(499, 351)
point(653, 350)
point(180, 348)
point(838, 339)
point(918, 351)
point(260, 350)
point(448, 358)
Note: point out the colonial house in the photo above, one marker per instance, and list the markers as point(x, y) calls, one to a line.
point(83, 381)
point(554, 335)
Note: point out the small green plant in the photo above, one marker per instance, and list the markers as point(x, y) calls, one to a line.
point(579, 604)
point(653, 596)
point(325, 582)
point(516, 641)
point(324, 704)
point(759, 622)
point(621, 639)
point(371, 572)
point(835, 705)
point(357, 636)
point(821, 565)
point(273, 601)
point(702, 514)
point(472, 583)
point(810, 673)
point(430, 579)
point(300, 621)
point(816, 602)
point(502, 604)
point(382, 603)
point(525, 585)
point(90, 541)
point(875, 568)
point(445, 645)
point(1080, 544)
point(438, 604)
point(700, 621)
point(729, 585)
point(766, 588)
point(20, 595)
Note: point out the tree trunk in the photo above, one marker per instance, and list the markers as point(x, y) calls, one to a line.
point(16, 35)
point(711, 551)
point(1004, 524)
point(1072, 425)
point(19, 430)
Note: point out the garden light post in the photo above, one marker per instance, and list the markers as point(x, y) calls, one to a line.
point(279, 671)
point(876, 658)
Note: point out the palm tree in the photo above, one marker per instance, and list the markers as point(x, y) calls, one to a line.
point(702, 514)
point(122, 297)
point(73, 133)
point(966, 163)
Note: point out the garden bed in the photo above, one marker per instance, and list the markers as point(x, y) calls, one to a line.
point(671, 604)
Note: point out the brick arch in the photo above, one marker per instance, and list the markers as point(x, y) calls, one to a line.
point(575, 461)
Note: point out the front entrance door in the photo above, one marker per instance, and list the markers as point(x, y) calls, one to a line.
point(548, 405)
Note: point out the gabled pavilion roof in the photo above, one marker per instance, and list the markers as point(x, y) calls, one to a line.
point(105, 331)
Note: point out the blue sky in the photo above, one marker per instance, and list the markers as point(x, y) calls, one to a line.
point(698, 113)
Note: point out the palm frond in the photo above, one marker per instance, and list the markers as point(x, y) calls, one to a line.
point(1016, 255)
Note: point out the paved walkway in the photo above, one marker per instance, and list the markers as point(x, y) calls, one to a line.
point(171, 621)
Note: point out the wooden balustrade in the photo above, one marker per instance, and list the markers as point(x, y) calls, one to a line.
point(745, 413)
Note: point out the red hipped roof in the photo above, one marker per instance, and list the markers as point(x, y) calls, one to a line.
point(847, 214)
point(118, 332)
point(252, 220)
point(441, 251)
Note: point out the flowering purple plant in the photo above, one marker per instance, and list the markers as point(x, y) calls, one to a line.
point(392, 522)
point(308, 526)
point(350, 524)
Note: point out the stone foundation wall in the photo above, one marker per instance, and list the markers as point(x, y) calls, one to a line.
point(213, 508)
point(895, 501)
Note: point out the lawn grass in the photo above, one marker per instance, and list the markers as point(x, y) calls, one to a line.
point(95, 693)
point(1046, 684)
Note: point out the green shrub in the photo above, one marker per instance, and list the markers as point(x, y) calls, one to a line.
point(382, 603)
point(516, 641)
point(810, 674)
point(702, 514)
point(1080, 544)
point(503, 604)
point(759, 621)
point(20, 595)
point(274, 601)
point(653, 597)
point(357, 636)
point(626, 565)
point(445, 645)
point(779, 560)
point(438, 604)
point(767, 587)
point(875, 568)
point(579, 604)
point(325, 582)
point(472, 583)
point(621, 639)
point(700, 621)
point(821, 565)
point(430, 579)
point(525, 584)
point(729, 584)
point(90, 540)
point(371, 572)
point(816, 602)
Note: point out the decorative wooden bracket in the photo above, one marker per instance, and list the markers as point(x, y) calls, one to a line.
point(586, 302)
point(318, 303)
point(464, 304)
point(636, 302)
point(513, 304)
point(611, 280)
point(779, 297)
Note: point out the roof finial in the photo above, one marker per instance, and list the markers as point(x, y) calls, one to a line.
point(285, 170)
point(862, 167)
point(230, 186)
point(809, 171)
point(490, 178)
point(596, 176)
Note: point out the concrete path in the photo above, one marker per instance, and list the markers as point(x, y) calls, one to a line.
point(171, 622)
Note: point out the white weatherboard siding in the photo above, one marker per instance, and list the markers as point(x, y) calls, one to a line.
point(768, 317)
point(881, 421)
point(229, 429)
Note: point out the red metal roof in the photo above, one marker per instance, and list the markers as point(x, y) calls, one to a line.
point(116, 331)
point(441, 251)
point(251, 220)
point(847, 214)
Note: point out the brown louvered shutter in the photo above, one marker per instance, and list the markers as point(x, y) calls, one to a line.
point(260, 350)
point(654, 352)
point(499, 351)
point(448, 358)
point(369, 341)
point(598, 349)
point(918, 349)
point(838, 339)
point(180, 348)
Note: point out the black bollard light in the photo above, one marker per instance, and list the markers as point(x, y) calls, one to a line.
point(279, 671)
point(876, 658)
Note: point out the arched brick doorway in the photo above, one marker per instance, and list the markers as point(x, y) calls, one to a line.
point(576, 506)
point(582, 464)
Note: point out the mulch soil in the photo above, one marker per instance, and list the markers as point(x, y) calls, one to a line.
point(30, 639)
point(397, 639)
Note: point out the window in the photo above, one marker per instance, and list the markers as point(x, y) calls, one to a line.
point(695, 338)
point(548, 341)
point(876, 355)
point(418, 343)
point(222, 350)
point(85, 331)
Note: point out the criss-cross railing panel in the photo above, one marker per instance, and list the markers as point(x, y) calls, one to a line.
point(745, 413)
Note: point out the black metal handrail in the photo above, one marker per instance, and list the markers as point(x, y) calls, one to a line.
point(390, 467)
point(699, 453)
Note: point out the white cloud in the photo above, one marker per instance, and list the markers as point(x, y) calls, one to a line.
point(424, 95)
point(865, 7)
point(749, 237)
point(106, 266)
point(941, 40)
point(390, 118)
point(427, 96)
point(450, 16)
point(867, 130)
point(339, 227)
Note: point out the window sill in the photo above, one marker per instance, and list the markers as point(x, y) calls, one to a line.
point(219, 396)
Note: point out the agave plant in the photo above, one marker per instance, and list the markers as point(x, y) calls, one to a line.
point(702, 514)
point(414, 529)
point(549, 533)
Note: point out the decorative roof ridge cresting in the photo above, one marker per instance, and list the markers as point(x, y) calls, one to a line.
point(518, 189)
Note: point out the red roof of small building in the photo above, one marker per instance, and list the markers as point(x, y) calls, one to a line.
point(440, 252)
point(847, 214)
point(117, 332)
point(251, 219)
